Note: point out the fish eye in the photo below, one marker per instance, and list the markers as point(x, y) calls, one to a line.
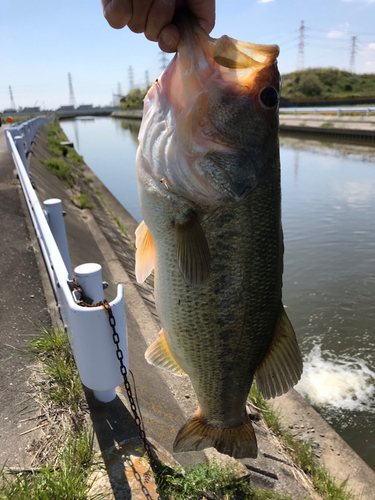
point(269, 97)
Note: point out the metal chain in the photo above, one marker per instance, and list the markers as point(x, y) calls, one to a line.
point(120, 356)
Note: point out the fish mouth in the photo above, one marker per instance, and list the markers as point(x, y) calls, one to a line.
point(207, 104)
point(237, 63)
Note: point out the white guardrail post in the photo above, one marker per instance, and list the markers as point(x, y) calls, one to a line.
point(89, 277)
point(55, 219)
point(88, 328)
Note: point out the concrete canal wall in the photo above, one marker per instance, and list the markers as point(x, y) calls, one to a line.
point(166, 401)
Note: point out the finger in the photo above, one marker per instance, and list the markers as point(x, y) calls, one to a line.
point(159, 16)
point(204, 11)
point(169, 38)
point(117, 12)
point(139, 18)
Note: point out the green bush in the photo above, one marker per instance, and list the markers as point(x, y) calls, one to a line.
point(134, 100)
point(54, 138)
point(82, 201)
point(61, 169)
point(327, 82)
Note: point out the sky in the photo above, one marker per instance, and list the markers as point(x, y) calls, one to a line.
point(44, 40)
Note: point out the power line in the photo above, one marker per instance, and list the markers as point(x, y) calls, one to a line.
point(301, 47)
point(353, 53)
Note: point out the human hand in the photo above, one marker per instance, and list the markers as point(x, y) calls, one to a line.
point(154, 18)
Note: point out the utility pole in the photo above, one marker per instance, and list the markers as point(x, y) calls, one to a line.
point(353, 53)
point(163, 61)
point(12, 103)
point(147, 78)
point(301, 47)
point(72, 99)
point(119, 90)
point(131, 78)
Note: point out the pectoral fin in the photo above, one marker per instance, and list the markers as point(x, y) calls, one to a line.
point(193, 253)
point(159, 354)
point(281, 367)
point(145, 255)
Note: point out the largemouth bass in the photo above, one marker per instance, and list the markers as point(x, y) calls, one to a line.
point(209, 186)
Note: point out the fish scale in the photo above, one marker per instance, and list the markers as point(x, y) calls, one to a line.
point(250, 263)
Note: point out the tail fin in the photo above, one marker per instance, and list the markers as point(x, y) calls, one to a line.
point(237, 442)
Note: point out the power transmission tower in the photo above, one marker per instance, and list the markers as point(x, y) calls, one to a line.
point(301, 47)
point(163, 61)
point(353, 53)
point(117, 97)
point(131, 78)
point(72, 99)
point(12, 103)
point(147, 78)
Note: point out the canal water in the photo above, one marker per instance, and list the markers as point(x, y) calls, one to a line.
point(329, 275)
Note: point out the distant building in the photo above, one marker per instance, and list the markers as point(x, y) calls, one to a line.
point(85, 107)
point(29, 111)
point(65, 109)
point(10, 110)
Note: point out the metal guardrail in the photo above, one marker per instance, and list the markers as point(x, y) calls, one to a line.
point(88, 329)
point(337, 110)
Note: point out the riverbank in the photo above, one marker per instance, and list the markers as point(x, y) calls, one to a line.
point(95, 236)
point(322, 124)
point(135, 114)
point(329, 124)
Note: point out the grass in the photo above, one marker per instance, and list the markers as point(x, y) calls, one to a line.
point(82, 201)
point(88, 179)
point(302, 453)
point(69, 479)
point(217, 482)
point(61, 169)
point(68, 471)
point(327, 125)
point(52, 349)
point(54, 138)
point(121, 226)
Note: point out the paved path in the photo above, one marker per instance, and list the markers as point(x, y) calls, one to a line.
point(23, 310)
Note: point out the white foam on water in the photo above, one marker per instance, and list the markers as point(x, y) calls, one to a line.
point(343, 383)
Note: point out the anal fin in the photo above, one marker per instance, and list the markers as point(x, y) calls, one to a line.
point(145, 254)
point(237, 442)
point(159, 354)
point(281, 367)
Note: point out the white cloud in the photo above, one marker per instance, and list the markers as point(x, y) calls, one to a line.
point(371, 46)
point(265, 1)
point(335, 34)
point(370, 65)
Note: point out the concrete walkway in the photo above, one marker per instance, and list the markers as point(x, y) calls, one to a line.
point(23, 310)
